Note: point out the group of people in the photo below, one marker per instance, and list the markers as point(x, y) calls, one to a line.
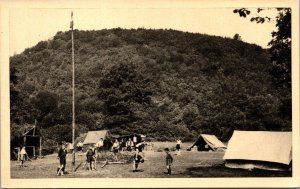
point(123, 144)
point(93, 152)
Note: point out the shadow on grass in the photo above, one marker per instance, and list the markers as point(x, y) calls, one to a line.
point(222, 171)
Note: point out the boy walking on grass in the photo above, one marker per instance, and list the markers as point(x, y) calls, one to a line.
point(169, 161)
point(137, 158)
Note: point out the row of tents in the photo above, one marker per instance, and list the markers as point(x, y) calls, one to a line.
point(245, 149)
point(252, 149)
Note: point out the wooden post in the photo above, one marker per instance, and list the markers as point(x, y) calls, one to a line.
point(40, 150)
point(73, 93)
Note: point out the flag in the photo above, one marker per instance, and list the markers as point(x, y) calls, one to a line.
point(72, 23)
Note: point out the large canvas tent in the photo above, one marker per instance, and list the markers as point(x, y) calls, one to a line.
point(259, 149)
point(93, 137)
point(207, 142)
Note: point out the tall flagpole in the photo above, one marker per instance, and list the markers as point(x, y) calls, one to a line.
point(73, 96)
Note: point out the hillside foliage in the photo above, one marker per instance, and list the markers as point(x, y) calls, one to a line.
point(162, 83)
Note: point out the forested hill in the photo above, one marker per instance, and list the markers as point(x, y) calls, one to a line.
point(162, 83)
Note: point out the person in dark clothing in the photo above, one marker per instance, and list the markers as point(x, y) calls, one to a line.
point(62, 154)
point(140, 146)
point(123, 144)
point(137, 158)
point(90, 153)
point(169, 161)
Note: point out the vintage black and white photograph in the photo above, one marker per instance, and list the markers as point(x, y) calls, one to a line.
point(136, 91)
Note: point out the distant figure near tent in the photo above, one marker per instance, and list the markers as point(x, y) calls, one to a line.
point(80, 146)
point(129, 144)
point(178, 143)
point(259, 149)
point(207, 142)
point(99, 146)
point(134, 139)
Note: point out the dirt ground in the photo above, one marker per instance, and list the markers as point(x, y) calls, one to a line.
point(188, 164)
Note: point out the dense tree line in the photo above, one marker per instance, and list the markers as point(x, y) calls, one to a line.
point(162, 83)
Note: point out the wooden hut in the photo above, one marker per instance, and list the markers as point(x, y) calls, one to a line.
point(30, 137)
point(32, 140)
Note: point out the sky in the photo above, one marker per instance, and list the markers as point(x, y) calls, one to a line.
point(28, 26)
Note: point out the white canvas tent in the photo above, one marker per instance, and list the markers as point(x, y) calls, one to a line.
point(259, 149)
point(207, 142)
point(93, 136)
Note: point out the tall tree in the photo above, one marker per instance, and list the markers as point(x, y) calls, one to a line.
point(280, 50)
point(280, 44)
point(123, 90)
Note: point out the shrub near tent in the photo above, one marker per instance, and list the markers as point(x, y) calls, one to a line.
point(259, 149)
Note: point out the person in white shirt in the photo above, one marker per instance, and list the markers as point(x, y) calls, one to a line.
point(178, 143)
point(99, 145)
point(134, 140)
point(129, 144)
point(115, 148)
point(79, 146)
point(22, 155)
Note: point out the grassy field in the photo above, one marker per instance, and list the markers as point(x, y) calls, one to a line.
point(189, 164)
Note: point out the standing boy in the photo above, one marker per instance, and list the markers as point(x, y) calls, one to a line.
point(178, 143)
point(22, 155)
point(62, 154)
point(90, 153)
point(169, 161)
point(115, 148)
point(137, 158)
